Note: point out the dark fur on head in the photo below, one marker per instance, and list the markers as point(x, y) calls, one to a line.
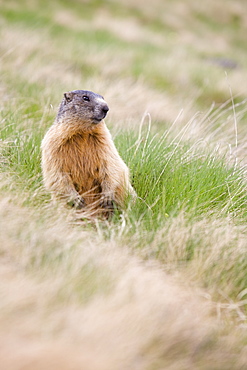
point(82, 106)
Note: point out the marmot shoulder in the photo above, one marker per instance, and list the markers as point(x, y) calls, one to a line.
point(80, 162)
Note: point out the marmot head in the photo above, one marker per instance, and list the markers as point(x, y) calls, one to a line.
point(82, 106)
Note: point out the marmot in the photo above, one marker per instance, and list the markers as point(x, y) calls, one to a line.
point(80, 162)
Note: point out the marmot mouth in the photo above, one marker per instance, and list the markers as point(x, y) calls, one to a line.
point(97, 119)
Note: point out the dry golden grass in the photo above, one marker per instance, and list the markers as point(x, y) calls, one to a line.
point(131, 314)
point(39, 58)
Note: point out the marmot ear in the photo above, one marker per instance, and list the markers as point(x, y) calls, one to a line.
point(68, 96)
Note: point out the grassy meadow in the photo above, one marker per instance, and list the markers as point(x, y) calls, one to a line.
point(164, 284)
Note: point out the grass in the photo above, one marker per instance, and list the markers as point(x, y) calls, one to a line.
point(169, 176)
point(164, 284)
point(172, 177)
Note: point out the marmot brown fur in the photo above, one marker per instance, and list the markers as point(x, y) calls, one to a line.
point(80, 162)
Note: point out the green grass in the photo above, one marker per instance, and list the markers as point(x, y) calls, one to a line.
point(169, 175)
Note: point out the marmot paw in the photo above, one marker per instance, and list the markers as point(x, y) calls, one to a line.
point(107, 203)
point(77, 203)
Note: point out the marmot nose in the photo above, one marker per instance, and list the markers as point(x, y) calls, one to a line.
point(101, 111)
point(105, 109)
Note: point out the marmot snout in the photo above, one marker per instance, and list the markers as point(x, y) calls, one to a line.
point(80, 162)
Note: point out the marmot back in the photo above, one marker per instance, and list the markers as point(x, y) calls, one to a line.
point(80, 162)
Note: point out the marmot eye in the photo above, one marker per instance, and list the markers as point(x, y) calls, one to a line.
point(86, 98)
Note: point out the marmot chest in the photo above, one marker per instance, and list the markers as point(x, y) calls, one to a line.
point(85, 160)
